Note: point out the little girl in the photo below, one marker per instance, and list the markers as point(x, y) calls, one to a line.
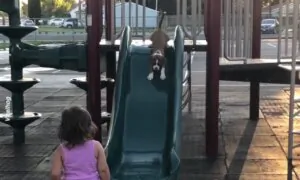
point(79, 156)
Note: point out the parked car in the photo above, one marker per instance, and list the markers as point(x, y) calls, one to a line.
point(56, 22)
point(27, 22)
point(72, 23)
point(269, 26)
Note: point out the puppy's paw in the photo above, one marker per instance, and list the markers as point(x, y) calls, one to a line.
point(150, 76)
point(162, 76)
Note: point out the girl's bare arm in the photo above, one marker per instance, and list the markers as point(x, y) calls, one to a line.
point(103, 168)
point(56, 164)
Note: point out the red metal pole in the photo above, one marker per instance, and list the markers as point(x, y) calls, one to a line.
point(256, 48)
point(212, 76)
point(110, 56)
point(108, 20)
point(206, 4)
point(94, 33)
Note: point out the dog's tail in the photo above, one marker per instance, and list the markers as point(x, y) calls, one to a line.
point(161, 19)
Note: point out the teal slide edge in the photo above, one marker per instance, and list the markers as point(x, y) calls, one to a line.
point(136, 149)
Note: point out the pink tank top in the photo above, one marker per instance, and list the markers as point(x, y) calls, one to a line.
point(80, 162)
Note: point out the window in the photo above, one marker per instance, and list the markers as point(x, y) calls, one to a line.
point(268, 21)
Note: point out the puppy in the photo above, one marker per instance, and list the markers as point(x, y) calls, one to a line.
point(158, 61)
point(159, 42)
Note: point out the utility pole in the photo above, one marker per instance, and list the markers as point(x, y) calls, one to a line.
point(270, 9)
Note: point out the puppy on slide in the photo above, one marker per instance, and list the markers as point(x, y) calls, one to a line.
point(159, 42)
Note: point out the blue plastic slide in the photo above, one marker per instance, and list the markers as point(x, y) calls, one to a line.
point(144, 138)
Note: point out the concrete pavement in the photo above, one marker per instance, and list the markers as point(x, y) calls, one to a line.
point(248, 150)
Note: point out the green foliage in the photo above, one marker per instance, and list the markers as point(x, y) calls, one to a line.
point(24, 9)
point(268, 2)
point(58, 8)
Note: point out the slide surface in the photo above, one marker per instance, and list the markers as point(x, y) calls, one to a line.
point(144, 138)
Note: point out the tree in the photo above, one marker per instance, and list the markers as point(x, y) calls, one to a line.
point(58, 8)
point(24, 9)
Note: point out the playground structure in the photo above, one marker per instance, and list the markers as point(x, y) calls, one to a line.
point(242, 66)
point(134, 114)
point(130, 111)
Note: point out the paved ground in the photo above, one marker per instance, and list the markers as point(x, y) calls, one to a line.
point(248, 150)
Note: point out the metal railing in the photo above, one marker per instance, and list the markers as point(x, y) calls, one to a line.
point(286, 9)
point(196, 16)
point(238, 19)
point(133, 15)
point(292, 100)
point(187, 82)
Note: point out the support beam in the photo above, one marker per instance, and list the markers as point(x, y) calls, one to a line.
point(213, 24)
point(256, 48)
point(94, 33)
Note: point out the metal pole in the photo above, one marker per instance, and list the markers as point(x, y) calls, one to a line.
point(129, 9)
point(178, 14)
point(110, 56)
point(293, 81)
point(94, 33)
point(246, 28)
point(123, 15)
point(234, 28)
point(256, 38)
point(212, 77)
point(287, 16)
point(279, 33)
point(144, 20)
point(194, 21)
point(136, 16)
point(239, 29)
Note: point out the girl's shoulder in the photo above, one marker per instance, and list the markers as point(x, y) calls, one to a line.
point(96, 144)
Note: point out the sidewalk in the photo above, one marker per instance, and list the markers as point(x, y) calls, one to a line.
point(248, 150)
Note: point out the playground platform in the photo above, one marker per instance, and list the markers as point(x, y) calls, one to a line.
point(248, 150)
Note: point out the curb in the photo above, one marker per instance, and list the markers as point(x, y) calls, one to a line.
point(58, 32)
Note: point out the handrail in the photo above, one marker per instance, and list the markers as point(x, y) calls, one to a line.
point(234, 26)
point(187, 94)
point(124, 46)
point(196, 15)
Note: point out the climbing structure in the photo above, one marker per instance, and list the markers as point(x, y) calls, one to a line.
point(16, 84)
point(71, 57)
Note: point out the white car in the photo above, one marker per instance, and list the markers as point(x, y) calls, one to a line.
point(56, 22)
point(27, 23)
point(72, 23)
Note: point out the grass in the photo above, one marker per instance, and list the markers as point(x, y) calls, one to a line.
point(57, 29)
point(5, 45)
